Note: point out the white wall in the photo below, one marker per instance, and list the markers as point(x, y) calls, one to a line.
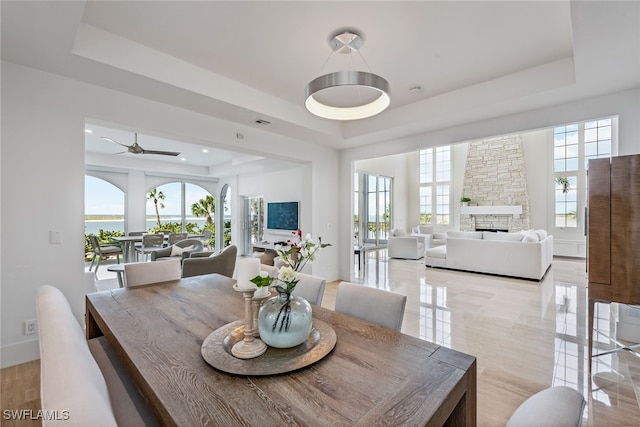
point(43, 118)
point(270, 187)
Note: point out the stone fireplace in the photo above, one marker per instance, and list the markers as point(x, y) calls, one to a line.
point(495, 181)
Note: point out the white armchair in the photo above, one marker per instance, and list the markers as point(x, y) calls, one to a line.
point(406, 247)
point(431, 239)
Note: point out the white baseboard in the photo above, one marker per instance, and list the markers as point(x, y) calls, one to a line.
point(19, 353)
point(569, 248)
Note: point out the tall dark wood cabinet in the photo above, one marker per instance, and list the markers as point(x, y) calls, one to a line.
point(613, 233)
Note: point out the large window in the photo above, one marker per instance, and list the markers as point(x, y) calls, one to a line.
point(180, 206)
point(254, 211)
point(435, 184)
point(226, 215)
point(103, 207)
point(573, 146)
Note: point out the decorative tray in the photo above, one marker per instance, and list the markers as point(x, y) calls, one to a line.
point(216, 351)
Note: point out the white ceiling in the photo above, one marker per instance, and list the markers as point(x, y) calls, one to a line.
point(242, 61)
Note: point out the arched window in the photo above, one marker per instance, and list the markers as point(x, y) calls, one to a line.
point(103, 206)
point(103, 210)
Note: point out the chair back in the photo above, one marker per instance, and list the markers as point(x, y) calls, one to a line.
point(206, 238)
point(374, 305)
point(195, 244)
point(310, 288)
point(553, 406)
point(176, 237)
point(136, 233)
point(94, 243)
point(152, 241)
point(271, 270)
point(144, 273)
point(223, 263)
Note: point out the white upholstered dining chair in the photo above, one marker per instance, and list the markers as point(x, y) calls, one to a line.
point(144, 273)
point(558, 406)
point(310, 288)
point(374, 305)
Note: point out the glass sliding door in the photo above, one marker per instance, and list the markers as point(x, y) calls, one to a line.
point(372, 208)
point(254, 221)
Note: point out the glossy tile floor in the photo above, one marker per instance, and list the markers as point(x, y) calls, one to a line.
point(526, 335)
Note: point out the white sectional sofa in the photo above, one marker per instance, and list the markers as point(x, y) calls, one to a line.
point(526, 254)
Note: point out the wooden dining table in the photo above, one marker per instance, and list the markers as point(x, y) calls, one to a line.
point(373, 375)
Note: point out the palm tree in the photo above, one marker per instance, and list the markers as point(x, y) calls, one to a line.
point(156, 195)
point(204, 207)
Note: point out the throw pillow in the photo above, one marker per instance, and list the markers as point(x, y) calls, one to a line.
point(177, 250)
point(218, 253)
point(455, 234)
point(531, 238)
point(507, 237)
point(473, 235)
point(542, 234)
point(398, 232)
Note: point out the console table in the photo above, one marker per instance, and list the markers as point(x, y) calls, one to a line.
point(269, 248)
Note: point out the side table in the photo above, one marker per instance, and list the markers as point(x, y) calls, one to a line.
point(119, 270)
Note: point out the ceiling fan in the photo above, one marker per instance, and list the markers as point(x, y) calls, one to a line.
point(137, 149)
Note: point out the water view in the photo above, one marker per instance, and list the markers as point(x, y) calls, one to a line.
point(93, 223)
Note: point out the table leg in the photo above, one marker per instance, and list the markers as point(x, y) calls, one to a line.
point(129, 248)
point(119, 274)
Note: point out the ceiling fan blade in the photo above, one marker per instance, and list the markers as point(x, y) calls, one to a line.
point(111, 140)
point(162, 153)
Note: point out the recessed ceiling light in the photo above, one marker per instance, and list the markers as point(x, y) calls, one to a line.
point(204, 150)
point(88, 131)
point(183, 159)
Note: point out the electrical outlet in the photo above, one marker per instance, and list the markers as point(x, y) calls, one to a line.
point(30, 327)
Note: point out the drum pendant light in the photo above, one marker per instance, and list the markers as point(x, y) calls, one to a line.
point(370, 90)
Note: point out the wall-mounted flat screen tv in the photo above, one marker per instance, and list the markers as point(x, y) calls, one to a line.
point(283, 216)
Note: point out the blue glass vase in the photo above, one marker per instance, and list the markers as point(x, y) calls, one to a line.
point(284, 321)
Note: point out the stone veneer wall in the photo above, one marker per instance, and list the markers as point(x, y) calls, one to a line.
point(495, 175)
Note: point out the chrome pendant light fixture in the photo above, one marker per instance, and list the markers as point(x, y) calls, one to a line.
point(347, 95)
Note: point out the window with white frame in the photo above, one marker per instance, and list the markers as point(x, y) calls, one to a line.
point(435, 185)
point(573, 146)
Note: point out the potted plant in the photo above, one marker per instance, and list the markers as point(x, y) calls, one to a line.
point(465, 201)
point(563, 182)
